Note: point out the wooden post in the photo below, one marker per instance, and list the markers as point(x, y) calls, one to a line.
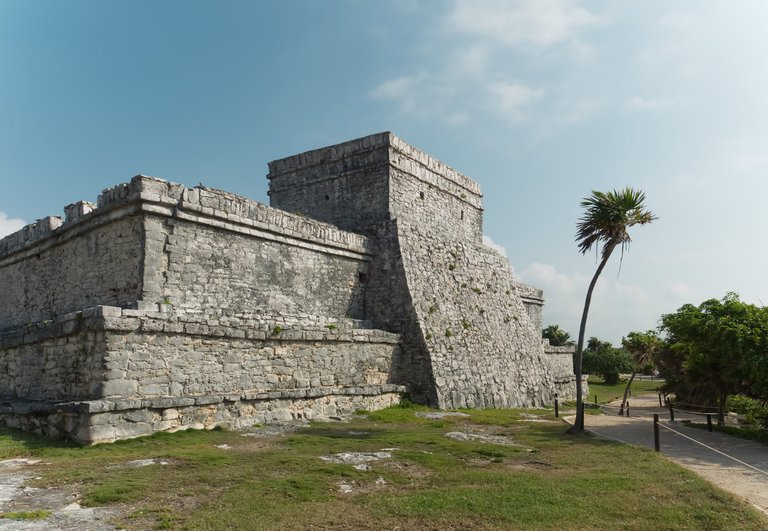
point(671, 412)
point(656, 444)
point(595, 398)
point(660, 404)
point(709, 422)
point(557, 408)
point(583, 414)
point(627, 407)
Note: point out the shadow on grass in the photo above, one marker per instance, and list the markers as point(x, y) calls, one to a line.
point(340, 433)
point(16, 443)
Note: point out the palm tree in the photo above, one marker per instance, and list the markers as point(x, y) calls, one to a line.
point(606, 219)
point(557, 336)
point(643, 347)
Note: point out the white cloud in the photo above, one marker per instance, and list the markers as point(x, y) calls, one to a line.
point(636, 103)
point(473, 59)
point(9, 225)
point(616, 309)
point(488, 242)
point(546, 276)
point(466, 72)
point(512, 98)
point(682, 21)
point(681, 293)
point(538, 22)
point(401, 87)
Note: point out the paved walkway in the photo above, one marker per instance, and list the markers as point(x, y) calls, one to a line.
point(736, 465)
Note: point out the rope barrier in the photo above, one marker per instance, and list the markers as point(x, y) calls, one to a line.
point(713, 449)
point(694, 412)
point(694, 405)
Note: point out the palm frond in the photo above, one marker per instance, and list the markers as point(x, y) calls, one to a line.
point(607, 218)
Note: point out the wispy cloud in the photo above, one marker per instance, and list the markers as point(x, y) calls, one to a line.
point(546, 276)
point(513, 98)
point(397, 88)
point(616, 306)
point(470, 76)
point(540, 23)
point(9, 225)
point(488, 242)
point(637, 103)
point(682, 21)
point(681, 293)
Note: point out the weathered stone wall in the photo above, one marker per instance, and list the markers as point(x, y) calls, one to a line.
point(561, 360)
point(134, 364)
point(390, 306)
point(426, 192)
point(207, 269)
point(533, 300)
point(217, 310)
point(220, 253)
point(151, 241)
point(68, 268)
point(471, 333)
point(107, 421)
point(360, 183)
point(483, 349)
point(346, 184)
point(166, 354)
point(55, 360)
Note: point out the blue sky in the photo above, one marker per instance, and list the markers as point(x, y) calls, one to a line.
point(540, 101)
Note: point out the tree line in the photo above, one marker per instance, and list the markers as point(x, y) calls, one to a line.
point(706, 354)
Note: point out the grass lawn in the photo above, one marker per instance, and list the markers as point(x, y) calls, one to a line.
point(546, 480)
point(608, 393)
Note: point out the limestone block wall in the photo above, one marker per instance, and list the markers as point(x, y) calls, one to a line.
point(346, 184)
point(561, 360)
point(220, 253)
point(151, 241)
point(427, 192)
point(205, 268)
point(69, 267)
point(212, 309)
point(150, 354)
point(109, 373)
point(390, 306)
point(533, 301)
point(55, 360)
point(360, 183)
point(483, 349)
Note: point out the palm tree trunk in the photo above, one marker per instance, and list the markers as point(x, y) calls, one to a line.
point(578, 425)
point(721, 408)
point(626, 391)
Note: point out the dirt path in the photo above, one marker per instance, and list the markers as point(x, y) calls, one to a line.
point(736, 465)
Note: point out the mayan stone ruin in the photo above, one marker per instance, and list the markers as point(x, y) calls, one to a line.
point(163, 307)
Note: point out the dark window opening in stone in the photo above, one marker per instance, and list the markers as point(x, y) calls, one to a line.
point(327, 197)
point(421, 195)
point(462, 214)
point(362, 277)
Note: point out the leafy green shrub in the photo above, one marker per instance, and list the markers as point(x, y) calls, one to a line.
point(607, 363)
point(754, 410)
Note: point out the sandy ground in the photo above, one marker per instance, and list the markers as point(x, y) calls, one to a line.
point(735, 465)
